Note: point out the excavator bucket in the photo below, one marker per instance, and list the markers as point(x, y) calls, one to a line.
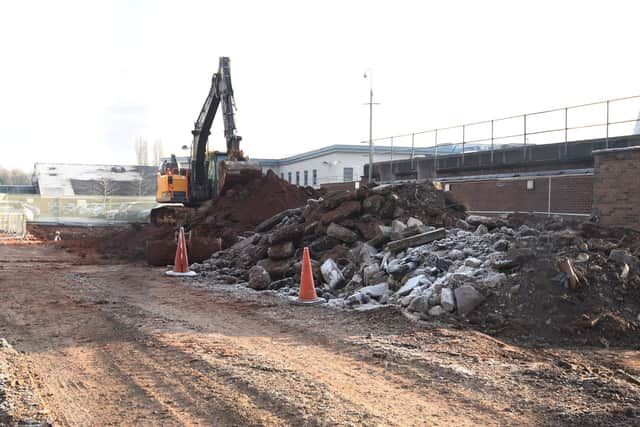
point(234, 173)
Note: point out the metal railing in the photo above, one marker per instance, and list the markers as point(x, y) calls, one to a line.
point(18, 209)
point(602, 119)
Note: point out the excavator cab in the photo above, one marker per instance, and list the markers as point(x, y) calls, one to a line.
point(173, 182)
point(171, 167)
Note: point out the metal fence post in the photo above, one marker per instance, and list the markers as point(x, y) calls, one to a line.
point(463, 128)
point(393, 176)
point(412, 149)
point(435, 158)
point(607, 139)
point(566, 126)
point(491, 141)
point(524, 152)
point(549, 198)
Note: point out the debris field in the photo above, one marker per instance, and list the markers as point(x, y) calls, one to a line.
point(408, 245)
point(429, 316)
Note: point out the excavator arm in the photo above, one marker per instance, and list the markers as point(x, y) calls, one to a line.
point(220, 95)
point(193, 186)
point(228, 107)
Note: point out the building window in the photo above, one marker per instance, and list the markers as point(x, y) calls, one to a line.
point(348, 175)
point(306, 178)
point(289, 177)
point(282, 176)
point(297, 177)
point(314, 176)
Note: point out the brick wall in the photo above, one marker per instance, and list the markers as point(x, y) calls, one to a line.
point(616, 188)
point(569, 194)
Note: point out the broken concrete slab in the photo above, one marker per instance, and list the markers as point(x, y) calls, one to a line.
point(332, 274)
point(373, 204)
point(473, 262)
point(410, 284)
point(343, 211)
point(501, 245)
point(489, 222)
point(375, 291)
point(397, 226)
point(447, 300)
point(341, 233)
point(367, 307)
point(269, 223)
point(291, 232)
point(436, 310)
point(414, 222)
point(259, 278)
point(467, 298)
point(417, 240)
point(419, 304)
point(281, 251)
point(494, 280)
point(481, 230)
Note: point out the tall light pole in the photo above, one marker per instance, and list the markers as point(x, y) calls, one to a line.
point(370, 76)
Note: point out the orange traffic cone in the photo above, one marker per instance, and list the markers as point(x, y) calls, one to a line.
point(181, 262)
point(307, 293)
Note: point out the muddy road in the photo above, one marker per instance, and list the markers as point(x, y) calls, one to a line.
point(122, 344)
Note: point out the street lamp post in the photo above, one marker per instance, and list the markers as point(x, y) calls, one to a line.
point(370, 122)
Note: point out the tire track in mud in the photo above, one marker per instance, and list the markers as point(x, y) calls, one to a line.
point(348, 386)
point(114, 344)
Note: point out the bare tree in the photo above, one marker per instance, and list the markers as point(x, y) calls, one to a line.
point(14, 177)
point(158, 152)
point(142, 151)
point(106, 188)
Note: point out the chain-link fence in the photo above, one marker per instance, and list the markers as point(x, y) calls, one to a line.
point(18, 209)
point(12, 225)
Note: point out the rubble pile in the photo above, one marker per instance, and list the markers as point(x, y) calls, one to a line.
point(343, 231)
point(573, 283)
point(544, 280)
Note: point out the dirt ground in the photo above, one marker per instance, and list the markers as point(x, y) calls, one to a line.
point(123, 344)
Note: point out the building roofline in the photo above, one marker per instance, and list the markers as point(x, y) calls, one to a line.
point(90, 164)
point(346, 148)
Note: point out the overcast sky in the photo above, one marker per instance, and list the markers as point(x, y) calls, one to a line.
point(80, 81)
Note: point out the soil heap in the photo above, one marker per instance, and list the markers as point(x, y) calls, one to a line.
point(539, 281)
point(214, 225)
point(243, 207)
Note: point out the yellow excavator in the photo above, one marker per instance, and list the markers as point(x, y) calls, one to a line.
point(208, 174)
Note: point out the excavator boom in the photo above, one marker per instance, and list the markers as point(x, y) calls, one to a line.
point(242, 171)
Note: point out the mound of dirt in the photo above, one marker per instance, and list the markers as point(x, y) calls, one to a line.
point(215, 224)
point(241, 208)
point(540, 305)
